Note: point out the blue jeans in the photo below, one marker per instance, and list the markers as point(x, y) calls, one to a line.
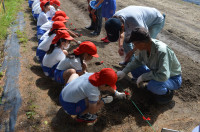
point(159, 88)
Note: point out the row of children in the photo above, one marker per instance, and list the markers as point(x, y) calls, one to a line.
point(81, 94)
point(135, 26)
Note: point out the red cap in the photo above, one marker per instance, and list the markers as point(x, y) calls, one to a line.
point(59, 18)
point(86, 47)
point(61, 34)
point(58, 25)
point(51, 2)
point(105, 76)
point(56, 2)
point(43, 3)
point(61, 13)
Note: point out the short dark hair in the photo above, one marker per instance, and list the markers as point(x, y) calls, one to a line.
point(139, 34)
point(47, 4)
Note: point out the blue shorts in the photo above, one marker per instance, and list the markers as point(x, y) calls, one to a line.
point(159, 88)
point(40, 55)
point(39, 41)
point(58, 76)
point(108, 8)
point(40, 32)
point(73, 108)
point(38, 27)
point(49, 18)
point(36, 16)
point(49, 71)
point(30, 3)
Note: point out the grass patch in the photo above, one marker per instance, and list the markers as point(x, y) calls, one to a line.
point(23, 39)
point(12, 7)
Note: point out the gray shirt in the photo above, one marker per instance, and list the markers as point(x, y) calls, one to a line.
point(138, 16)
point(68, 63)
point(79, 89)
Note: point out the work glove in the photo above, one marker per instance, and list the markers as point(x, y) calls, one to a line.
point(120, 75)
point(139, 80)
point(79, 42)
point(107, 99)
point(120, 95)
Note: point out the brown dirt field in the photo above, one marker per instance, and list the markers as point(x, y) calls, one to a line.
point(40, 94)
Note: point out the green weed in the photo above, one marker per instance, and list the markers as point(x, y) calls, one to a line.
point(31, 109)
point(6, 18)
point(23, 39)
point(1, 74)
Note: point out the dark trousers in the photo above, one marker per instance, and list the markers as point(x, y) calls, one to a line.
point(98, 23)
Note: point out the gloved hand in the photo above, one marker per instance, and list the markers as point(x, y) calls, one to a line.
point(79, 42)
point(139, 80)
point(107, 99)
point(120, 75)
point(120, 95)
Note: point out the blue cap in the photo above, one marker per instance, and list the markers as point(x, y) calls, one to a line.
point(113, 27)
point(93, 3)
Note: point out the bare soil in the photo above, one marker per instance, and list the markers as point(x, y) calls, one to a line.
point(40, 94)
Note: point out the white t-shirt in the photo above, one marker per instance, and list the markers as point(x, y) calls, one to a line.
point(47, 25)
point(67, 63)
point(35, 2)
point(38, 10)
point(79, 89)
point(36, 6)
point(45, 44)
point(51, 59)
point(51, 12)
point(42, 19)
point(45, 35)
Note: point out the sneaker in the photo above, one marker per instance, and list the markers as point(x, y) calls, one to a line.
point(166, 98)
point(106, 41)
point(102, 39)
point(123, 63)
point(90, 27)
point(94, 33)
point(88, 118)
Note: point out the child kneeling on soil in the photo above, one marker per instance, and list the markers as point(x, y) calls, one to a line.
point(156, 63)
point(54, 5)
point(42, 19)
point(81, 95)
point(48, 25)
point(58, 28)
point(74, 63)
point(55, 54)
